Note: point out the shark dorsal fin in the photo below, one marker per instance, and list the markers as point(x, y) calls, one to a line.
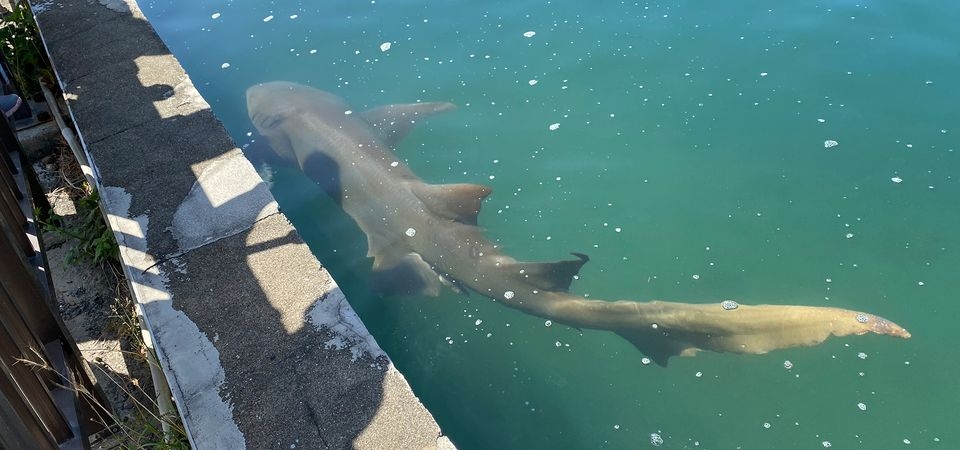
point(552, 276)
point(459, 202)
point(394, 122)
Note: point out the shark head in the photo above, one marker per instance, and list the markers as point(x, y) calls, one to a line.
point(277, 107)
point(269, 105)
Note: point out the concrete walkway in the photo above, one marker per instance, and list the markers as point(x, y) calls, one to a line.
point(259, 346)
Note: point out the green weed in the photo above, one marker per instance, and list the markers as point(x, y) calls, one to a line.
point(20, 43)
point(94, 239)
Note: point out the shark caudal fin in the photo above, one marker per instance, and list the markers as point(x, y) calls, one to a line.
point(458, 202)
point(394, 122)
point(552, 276)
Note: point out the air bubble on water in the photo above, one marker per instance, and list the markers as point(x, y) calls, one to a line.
point(656, 440)
point(410, 232)
point(554, 126)
point(529, 34)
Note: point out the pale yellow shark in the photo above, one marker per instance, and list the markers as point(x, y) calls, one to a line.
point(423, 236)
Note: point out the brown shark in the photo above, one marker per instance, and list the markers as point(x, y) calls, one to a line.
point(423, 236)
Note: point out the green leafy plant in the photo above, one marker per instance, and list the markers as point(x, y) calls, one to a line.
point(94, 238)
point(20, 42)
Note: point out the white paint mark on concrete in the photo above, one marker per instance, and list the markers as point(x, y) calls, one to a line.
point(122, 6)
point(193, 370)
point(334, 314)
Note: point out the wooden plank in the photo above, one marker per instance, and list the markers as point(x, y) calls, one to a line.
point(21, 284)
point(6, 178)
point(20, 428)
point(28, 383)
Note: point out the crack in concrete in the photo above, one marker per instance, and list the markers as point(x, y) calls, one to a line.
point(170, 256)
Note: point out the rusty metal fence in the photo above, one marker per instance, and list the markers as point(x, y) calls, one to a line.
point(47, 398)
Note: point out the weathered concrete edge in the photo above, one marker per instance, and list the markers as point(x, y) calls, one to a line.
point(149, 287)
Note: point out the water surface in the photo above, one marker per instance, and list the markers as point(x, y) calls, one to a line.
point(689, 163)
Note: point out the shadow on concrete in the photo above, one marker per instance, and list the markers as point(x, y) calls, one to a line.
point(247, 296)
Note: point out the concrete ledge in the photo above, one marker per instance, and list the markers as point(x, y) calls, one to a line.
point(258, 344)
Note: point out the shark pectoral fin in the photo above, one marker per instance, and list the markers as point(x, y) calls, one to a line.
point(552, 276)
point(658, 347)
point(459, 202)
point(397, 273)
point(394, 122)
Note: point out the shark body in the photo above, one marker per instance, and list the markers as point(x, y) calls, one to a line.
point(424, 236)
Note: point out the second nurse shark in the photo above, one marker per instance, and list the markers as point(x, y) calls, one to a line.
point(424, 236)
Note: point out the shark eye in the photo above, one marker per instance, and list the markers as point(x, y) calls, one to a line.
point(270, 121)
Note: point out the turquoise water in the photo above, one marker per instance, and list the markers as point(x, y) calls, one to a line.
point(689, 163)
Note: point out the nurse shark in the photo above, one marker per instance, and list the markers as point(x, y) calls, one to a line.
point(424, 236)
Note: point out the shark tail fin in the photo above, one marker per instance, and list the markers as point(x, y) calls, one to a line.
point(459, 202)
point(552, 276)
